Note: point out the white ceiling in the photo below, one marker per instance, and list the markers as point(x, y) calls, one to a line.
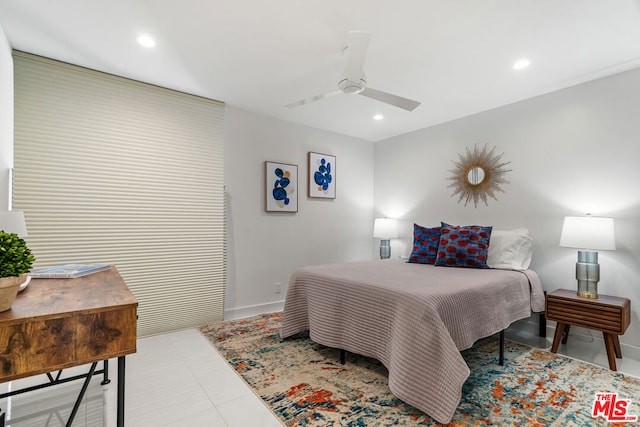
point(454, 56)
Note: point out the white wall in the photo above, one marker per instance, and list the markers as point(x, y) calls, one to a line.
point(6, 118)
point(572, 152)
point(265, 248)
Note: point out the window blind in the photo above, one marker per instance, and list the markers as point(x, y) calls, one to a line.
point(112, 170)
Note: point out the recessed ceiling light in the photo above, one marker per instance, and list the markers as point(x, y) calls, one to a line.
point(146, 41)
point(521, 64)
point(378, 117)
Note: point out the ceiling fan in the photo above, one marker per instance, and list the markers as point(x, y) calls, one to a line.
point(353, 80)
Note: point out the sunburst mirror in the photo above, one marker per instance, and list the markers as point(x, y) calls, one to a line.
point(478, 174)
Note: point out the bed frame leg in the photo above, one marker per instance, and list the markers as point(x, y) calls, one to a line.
point(502, 348)
point(542, 322)
point(542, 326)
point(343, 357)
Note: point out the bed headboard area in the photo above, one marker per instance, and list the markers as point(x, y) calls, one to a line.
point(471, 246)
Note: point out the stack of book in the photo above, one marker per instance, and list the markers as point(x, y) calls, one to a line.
point(68, 271)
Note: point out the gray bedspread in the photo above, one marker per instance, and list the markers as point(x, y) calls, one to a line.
point(414, 318)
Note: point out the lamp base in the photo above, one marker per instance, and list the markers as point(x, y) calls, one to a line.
point(588, 274)
point(385, 249)
point(587, 289)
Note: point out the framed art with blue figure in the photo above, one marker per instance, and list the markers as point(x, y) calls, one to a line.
point(281, 187)
point(322, 175)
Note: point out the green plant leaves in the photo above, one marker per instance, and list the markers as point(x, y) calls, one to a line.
point(15, 256)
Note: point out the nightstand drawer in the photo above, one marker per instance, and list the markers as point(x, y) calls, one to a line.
point(606, 314)
point(586, 315)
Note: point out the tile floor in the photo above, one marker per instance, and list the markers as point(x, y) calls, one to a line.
point(174, 379)
point(178, 379)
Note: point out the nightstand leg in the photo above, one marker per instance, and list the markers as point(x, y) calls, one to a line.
point(616, 346)
point(611, 352)
point(565, 333)
point(557, 337)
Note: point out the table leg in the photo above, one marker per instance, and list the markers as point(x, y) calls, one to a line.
point(611, 352)
point(565, 333)
point(105, 373)
point(83, 390)
point(120, 418)
point(616, 346)
point(557, 337)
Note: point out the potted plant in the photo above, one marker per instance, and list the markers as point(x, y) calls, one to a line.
point(15, 262)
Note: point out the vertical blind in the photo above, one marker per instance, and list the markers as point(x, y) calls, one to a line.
point(112, 170)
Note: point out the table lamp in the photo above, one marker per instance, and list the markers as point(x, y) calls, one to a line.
point(589, 234)
point(13, 222)
point(385, 229)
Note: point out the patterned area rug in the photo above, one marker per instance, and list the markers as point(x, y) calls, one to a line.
point(304, 383)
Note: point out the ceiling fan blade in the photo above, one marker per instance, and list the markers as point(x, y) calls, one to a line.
point(357, 47)
point(387, 98)
point(313, 99)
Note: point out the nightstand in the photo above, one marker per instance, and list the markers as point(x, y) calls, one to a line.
point(608, 314)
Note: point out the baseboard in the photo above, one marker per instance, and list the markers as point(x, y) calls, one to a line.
point(253, 310)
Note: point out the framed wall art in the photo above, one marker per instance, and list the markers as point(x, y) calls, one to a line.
point(281, 187)
point(322, 175)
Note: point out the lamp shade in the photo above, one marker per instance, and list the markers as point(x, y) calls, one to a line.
point(13, 222)
point(385, 228)
point(588, 232)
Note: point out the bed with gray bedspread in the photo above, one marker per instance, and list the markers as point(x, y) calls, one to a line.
point(414, 318)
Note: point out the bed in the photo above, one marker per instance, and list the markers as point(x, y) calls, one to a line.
point(414, 318)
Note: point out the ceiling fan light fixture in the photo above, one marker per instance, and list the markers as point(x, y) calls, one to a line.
point(347, 86)
point(353, 78)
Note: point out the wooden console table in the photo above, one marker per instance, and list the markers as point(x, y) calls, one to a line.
point(60, 323)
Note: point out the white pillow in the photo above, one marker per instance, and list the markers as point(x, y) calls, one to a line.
point(510, 250)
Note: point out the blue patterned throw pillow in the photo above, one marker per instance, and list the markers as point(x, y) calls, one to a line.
point(425, 244)
point(463, 246)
